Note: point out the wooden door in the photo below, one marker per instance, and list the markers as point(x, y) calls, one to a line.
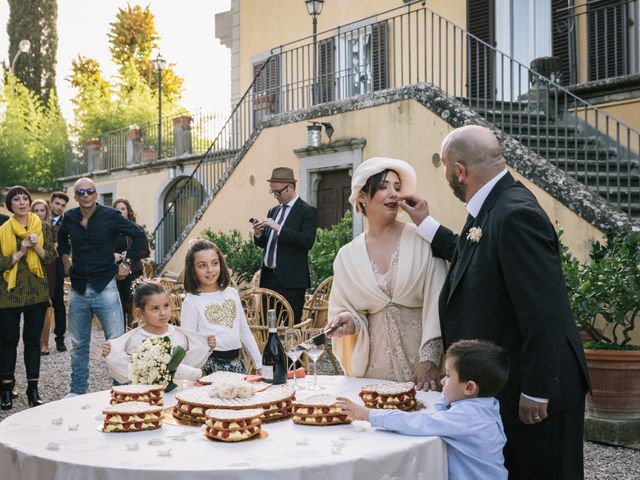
point(334, 189)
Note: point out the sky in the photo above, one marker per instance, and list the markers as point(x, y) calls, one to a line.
point(187, 38)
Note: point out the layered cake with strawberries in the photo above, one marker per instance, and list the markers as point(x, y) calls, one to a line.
point(399, 396)
point(131, 417)
point(318, 410)
point(232, 425)
point(151, 394)
point(275, 403)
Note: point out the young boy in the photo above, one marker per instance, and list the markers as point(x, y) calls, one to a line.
point(467, 417)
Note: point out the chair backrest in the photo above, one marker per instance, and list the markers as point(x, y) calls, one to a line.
point(256, 302)
point(255, 280)
point(317, 306)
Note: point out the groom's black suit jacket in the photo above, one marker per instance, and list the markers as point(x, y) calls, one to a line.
point(508, 288)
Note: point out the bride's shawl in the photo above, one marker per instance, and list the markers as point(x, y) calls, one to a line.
point(419, 280)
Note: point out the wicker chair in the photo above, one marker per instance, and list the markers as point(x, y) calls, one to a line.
point(256, 302)
point(316, 310)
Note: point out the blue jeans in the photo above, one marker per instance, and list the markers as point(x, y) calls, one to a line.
point(106, 306)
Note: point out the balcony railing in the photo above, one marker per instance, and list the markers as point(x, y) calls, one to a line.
point(113, 150)
point(411, 45)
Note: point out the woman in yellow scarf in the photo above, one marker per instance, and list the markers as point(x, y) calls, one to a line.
point(26, 248)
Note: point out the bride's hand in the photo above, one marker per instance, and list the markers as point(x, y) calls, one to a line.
point(427, 376)
point(342, 324)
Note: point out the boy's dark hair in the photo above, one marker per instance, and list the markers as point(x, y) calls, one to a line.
point(15, 191)
point(144, 290)
point(190, 279)
point(481, 362)
point(61, 195)
point(373, 184)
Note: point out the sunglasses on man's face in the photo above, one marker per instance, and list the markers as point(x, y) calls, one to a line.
point(81, 192)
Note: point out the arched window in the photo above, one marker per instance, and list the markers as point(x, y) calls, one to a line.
point(181, 202)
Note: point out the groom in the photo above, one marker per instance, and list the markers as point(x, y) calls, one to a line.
point(505, 284)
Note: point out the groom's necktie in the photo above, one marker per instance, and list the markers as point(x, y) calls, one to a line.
point(462, 240)
point(271, 251)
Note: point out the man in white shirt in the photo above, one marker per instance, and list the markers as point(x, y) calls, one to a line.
point(505, 285)
point(58, 203)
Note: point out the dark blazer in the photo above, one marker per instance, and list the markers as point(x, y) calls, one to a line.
point(508, 288)
point(296, 238)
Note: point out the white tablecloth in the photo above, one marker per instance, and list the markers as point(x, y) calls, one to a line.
point(59, 441)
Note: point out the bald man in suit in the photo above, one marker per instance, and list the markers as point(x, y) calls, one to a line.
point(505, 284)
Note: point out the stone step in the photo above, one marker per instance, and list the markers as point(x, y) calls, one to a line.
point(546, 130)
point(557, 140)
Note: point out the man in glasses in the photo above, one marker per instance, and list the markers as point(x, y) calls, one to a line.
point(89, 233)
point(287, 235)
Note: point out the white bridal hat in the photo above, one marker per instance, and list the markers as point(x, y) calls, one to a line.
point(375, 165)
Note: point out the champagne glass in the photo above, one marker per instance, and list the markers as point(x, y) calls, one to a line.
point(314, 348)
point(292, 340)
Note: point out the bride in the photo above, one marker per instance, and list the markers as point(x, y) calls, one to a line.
point(384, 299)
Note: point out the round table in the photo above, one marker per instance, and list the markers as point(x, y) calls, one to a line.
point(60, 441)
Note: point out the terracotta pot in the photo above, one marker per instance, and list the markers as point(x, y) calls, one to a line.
point(615, 383)
point(183, 121)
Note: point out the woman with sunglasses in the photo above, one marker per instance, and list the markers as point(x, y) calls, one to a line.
point(26, 249)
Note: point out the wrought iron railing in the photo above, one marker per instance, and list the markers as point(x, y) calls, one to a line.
point(602, 38)
point(112, 146)
point(413, 45)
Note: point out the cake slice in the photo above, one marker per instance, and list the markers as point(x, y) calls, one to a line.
point(399, 396)
point(151, 394)
point(131, 417)
point(319, 410)
point(232, 425)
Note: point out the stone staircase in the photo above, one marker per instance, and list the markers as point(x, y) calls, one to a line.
point(592, 160)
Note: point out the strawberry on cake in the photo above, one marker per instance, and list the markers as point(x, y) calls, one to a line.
point(151, 394)
point(232, 425)
point(318, 410)
point(131, 417)
point(399, 396)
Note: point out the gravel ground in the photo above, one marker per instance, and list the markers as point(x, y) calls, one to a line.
point(601, 462)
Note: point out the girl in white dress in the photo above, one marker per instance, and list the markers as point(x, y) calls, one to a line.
point(153, 310)
point(213, 307)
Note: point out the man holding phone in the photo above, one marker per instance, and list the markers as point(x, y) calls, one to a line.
point(286, 235)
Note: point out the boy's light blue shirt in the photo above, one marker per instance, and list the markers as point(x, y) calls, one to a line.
point(472, 430)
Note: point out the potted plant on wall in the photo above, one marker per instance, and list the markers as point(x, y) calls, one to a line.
point(605, 298)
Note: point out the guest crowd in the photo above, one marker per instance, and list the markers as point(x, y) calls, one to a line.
point(482, 315)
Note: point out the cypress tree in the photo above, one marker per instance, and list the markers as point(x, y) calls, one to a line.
point(36, 21)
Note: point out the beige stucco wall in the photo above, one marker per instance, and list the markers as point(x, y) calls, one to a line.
point(405, 130)
point(268, 24)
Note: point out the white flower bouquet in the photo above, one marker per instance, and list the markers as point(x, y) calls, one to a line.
point(155, 362)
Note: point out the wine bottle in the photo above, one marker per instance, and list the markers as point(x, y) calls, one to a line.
point(274, 358)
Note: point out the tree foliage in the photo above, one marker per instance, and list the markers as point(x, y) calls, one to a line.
point(36, 21)
point(133, 39)
point(33, 137)
point(101, 105)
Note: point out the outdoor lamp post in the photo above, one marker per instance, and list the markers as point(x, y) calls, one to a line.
point(314, 8)
point(23, 47)
point(160, 63)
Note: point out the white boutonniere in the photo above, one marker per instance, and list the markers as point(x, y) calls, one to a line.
point(474, 235)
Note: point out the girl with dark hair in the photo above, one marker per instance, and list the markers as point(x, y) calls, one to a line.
point(212, 307)
point(123, 243)
point(151, 306)
point(26, 249)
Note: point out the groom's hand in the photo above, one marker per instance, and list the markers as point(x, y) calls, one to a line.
point(417, 208)
point(427, 376)
point(531, 412)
